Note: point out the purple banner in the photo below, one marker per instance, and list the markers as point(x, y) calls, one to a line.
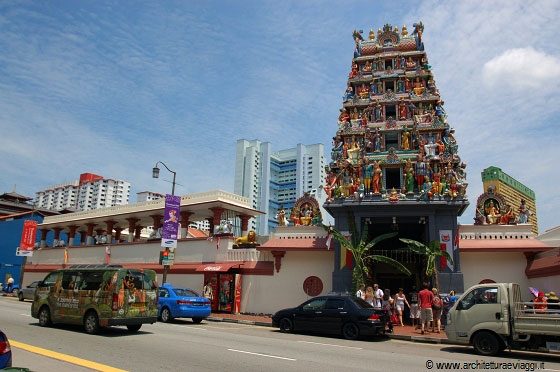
point(170, 227)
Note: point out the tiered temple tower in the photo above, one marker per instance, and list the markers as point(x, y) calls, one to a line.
point(395, 162)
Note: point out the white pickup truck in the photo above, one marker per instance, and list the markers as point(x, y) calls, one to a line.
point(492, 317)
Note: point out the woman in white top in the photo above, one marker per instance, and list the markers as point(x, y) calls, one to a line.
point(369, 295)
point(400, 301)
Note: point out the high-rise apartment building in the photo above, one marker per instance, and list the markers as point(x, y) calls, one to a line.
point(89, 192)
point(514, 191)
point(148, 195)
point(273, 179)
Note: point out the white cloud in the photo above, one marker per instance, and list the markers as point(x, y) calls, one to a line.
point(522, 68)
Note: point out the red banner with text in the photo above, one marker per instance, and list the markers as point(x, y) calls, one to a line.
point(28, 235)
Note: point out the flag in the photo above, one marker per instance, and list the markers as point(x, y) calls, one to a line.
point(345, 257)
point(218, 243)
point(457, 238)
point(65, 255)
point(107, 255)
point(445, 245)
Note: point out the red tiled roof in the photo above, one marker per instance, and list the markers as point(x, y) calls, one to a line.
point(502, 245)
point(295, 244)
point(196, 233)
point(546, 266)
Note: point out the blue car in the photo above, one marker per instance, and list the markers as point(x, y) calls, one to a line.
point(15, 287)
point(5, 351)
point(176, 302)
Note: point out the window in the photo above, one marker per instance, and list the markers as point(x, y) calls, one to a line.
point(335, 304)
point(72, 280)
point(185, 292)
point(313, 305)
point(51, 279)
point(163, 292)
point(480, 296)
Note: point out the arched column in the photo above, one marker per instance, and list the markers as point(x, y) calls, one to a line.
point(244, 224)
point(44, 233)
point(131, 228)
point(110, 225)
point(118, 234)
point(71, 234)
point(138, 231)
point(82, 237)
point(185, 223)
point(156, 218)
point(99, 232)
point(57, 231)
point(89, 240)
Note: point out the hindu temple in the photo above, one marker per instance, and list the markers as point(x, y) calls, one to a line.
point(395, 163)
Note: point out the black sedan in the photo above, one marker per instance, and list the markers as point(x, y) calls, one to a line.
point(347, 315)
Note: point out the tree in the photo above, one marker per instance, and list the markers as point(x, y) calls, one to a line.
point(431, 252)
point(360, 249)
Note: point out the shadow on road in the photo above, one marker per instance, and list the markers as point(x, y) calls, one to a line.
point(116, 331)
point(380, 338)
point(515, 354)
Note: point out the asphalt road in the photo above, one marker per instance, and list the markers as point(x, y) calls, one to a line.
point(217, 346)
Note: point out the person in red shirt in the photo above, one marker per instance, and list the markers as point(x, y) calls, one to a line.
point(425, 298)
point(540, 306)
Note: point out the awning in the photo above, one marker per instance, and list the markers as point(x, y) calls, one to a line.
point(217, 267)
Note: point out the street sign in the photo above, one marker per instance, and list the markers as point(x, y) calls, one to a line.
point(23, 253)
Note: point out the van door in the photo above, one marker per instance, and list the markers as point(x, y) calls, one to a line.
point(481, 308)
point(47, 292)
point(68, 298)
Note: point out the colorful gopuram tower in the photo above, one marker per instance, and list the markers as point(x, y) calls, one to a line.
point(395, 163)
point(518, 196)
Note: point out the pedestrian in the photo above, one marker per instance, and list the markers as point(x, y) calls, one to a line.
point(425, 298)
point(387, 301)
point(540, 306)
point(10, 284)
point(377, 296)
point(552, 301)
point(400, 301)
point(437, 307)
point(369, 296)
point(361, 292)
point(207, 290)
point(414, 310)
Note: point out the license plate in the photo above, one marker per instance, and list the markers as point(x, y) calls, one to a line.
point(197, 304)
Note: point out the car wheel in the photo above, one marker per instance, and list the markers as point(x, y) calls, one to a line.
point(133, 327)
point(197, 320)
point(485, 343)
point(286, 325)
point(166, 315)
point(350, 331)
point(91, 323)
point(20, 296)
point(44, 317)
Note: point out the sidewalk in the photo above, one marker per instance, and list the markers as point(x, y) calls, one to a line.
point(406, 333)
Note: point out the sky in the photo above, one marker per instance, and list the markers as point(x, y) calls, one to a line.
point(112, 87)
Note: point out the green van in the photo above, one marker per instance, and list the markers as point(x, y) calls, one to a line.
point(97, 296)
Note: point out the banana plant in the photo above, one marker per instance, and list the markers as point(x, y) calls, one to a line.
point(431, 252)
point(360, 247)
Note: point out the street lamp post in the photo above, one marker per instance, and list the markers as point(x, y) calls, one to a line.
point(155, 174)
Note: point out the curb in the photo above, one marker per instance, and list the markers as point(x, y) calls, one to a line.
point(425, 340)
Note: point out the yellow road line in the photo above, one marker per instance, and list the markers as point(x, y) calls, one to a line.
point(65, 358)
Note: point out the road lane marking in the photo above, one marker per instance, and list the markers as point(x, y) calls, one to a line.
point(264, 355)
point(25, 314)
point(318, 343)
point(65, 358)
point(185, 327)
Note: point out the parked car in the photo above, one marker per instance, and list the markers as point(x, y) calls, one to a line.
point(97, 296)
point(5, 351)
point(176, 302)
point(28, 292)
point(15, 287)
point(349, 316)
